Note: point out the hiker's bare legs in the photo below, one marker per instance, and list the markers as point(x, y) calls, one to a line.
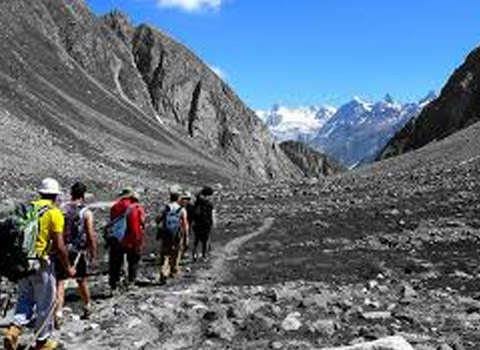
point(84, 291)
point(60, 297)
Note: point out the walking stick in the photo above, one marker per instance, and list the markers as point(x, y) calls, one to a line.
point(50, 311)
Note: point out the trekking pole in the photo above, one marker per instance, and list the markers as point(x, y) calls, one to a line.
point(8, 302)
point(50, 311)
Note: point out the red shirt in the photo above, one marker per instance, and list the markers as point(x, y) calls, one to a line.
point(134, 236)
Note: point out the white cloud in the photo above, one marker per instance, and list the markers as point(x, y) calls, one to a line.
point(219, 72)
point(191, 5)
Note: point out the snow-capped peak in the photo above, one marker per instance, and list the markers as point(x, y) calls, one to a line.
point(296, 123)
point(389, 99)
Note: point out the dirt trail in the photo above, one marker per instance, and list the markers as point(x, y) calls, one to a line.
point(167, 317)
point(217, 272)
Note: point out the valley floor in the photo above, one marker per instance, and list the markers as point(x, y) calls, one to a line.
point(307, 266)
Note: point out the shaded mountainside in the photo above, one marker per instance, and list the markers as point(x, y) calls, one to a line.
point(312, 163)
point(77, 101)
point(188, 94)
point(457, 107)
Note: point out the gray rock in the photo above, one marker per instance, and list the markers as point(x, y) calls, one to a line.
point(444, 347)
point(292, 322)
point(377, 315)
point(325, 327)
point(221, 329)
point(389, 343)
point(408, 293)
point(276, 345)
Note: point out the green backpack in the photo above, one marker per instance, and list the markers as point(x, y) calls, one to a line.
point(18, 235)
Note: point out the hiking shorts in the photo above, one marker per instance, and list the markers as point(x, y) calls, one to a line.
point(61, 274)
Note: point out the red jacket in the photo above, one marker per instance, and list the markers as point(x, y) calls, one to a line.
point(134, 235)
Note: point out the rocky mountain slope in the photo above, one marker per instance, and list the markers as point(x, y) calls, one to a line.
point(457, 107)
point(312, 163)
point(80, 100)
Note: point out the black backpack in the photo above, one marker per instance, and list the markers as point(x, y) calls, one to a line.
point(18, 235)
point(203, 213)
point(75, 235)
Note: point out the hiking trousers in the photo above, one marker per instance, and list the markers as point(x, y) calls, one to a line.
point(169, 257)
point(116, 260)
point(37, 292)
point(202, 236)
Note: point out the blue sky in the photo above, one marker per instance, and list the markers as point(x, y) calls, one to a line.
point(307, 52)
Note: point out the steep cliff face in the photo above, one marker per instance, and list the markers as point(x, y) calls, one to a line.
point(189, 97)
point(457, 107)
point(76, 102)
point(311, 162)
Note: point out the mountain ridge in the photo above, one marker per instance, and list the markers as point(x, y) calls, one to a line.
point(353, 134)
point(71, 89)
point(456, 108)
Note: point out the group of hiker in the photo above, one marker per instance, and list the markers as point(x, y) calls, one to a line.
point(61, 244)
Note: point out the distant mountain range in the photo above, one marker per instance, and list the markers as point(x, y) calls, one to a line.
point(353, 134)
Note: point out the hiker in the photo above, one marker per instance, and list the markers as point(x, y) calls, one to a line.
point(203, 221)
point(173, 224)
point(131, 244)
point(80, 239)
point(37, 290)
point(185, 202)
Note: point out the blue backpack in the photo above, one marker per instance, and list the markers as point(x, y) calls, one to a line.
point(172, 223)
point(117, 228)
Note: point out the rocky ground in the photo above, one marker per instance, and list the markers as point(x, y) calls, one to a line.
point(388, 250)
point(325, 263)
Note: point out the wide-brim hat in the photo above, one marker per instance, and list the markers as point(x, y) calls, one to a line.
point(129, 192)
point(186, 195)
point(49, 186)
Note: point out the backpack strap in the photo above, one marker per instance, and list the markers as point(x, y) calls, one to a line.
point(126, 213)
point(39, 213)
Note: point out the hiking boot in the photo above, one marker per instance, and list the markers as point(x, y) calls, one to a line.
point(58, 319)
point(48, 344)
point(87, 312)
point(10, 339)
point(115, 293)
point(162, 279)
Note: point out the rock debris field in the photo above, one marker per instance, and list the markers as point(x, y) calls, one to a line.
point(385, 255)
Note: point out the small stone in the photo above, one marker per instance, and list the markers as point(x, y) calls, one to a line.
point(325, 327)
point(222, 329)
point(444, 347)
point(276, 345)
point(92, 327)
point(389, 343)
point(408, 293)
point(291, 322)
point(377, 315)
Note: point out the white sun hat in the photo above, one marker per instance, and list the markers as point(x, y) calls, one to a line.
point(49, 186)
